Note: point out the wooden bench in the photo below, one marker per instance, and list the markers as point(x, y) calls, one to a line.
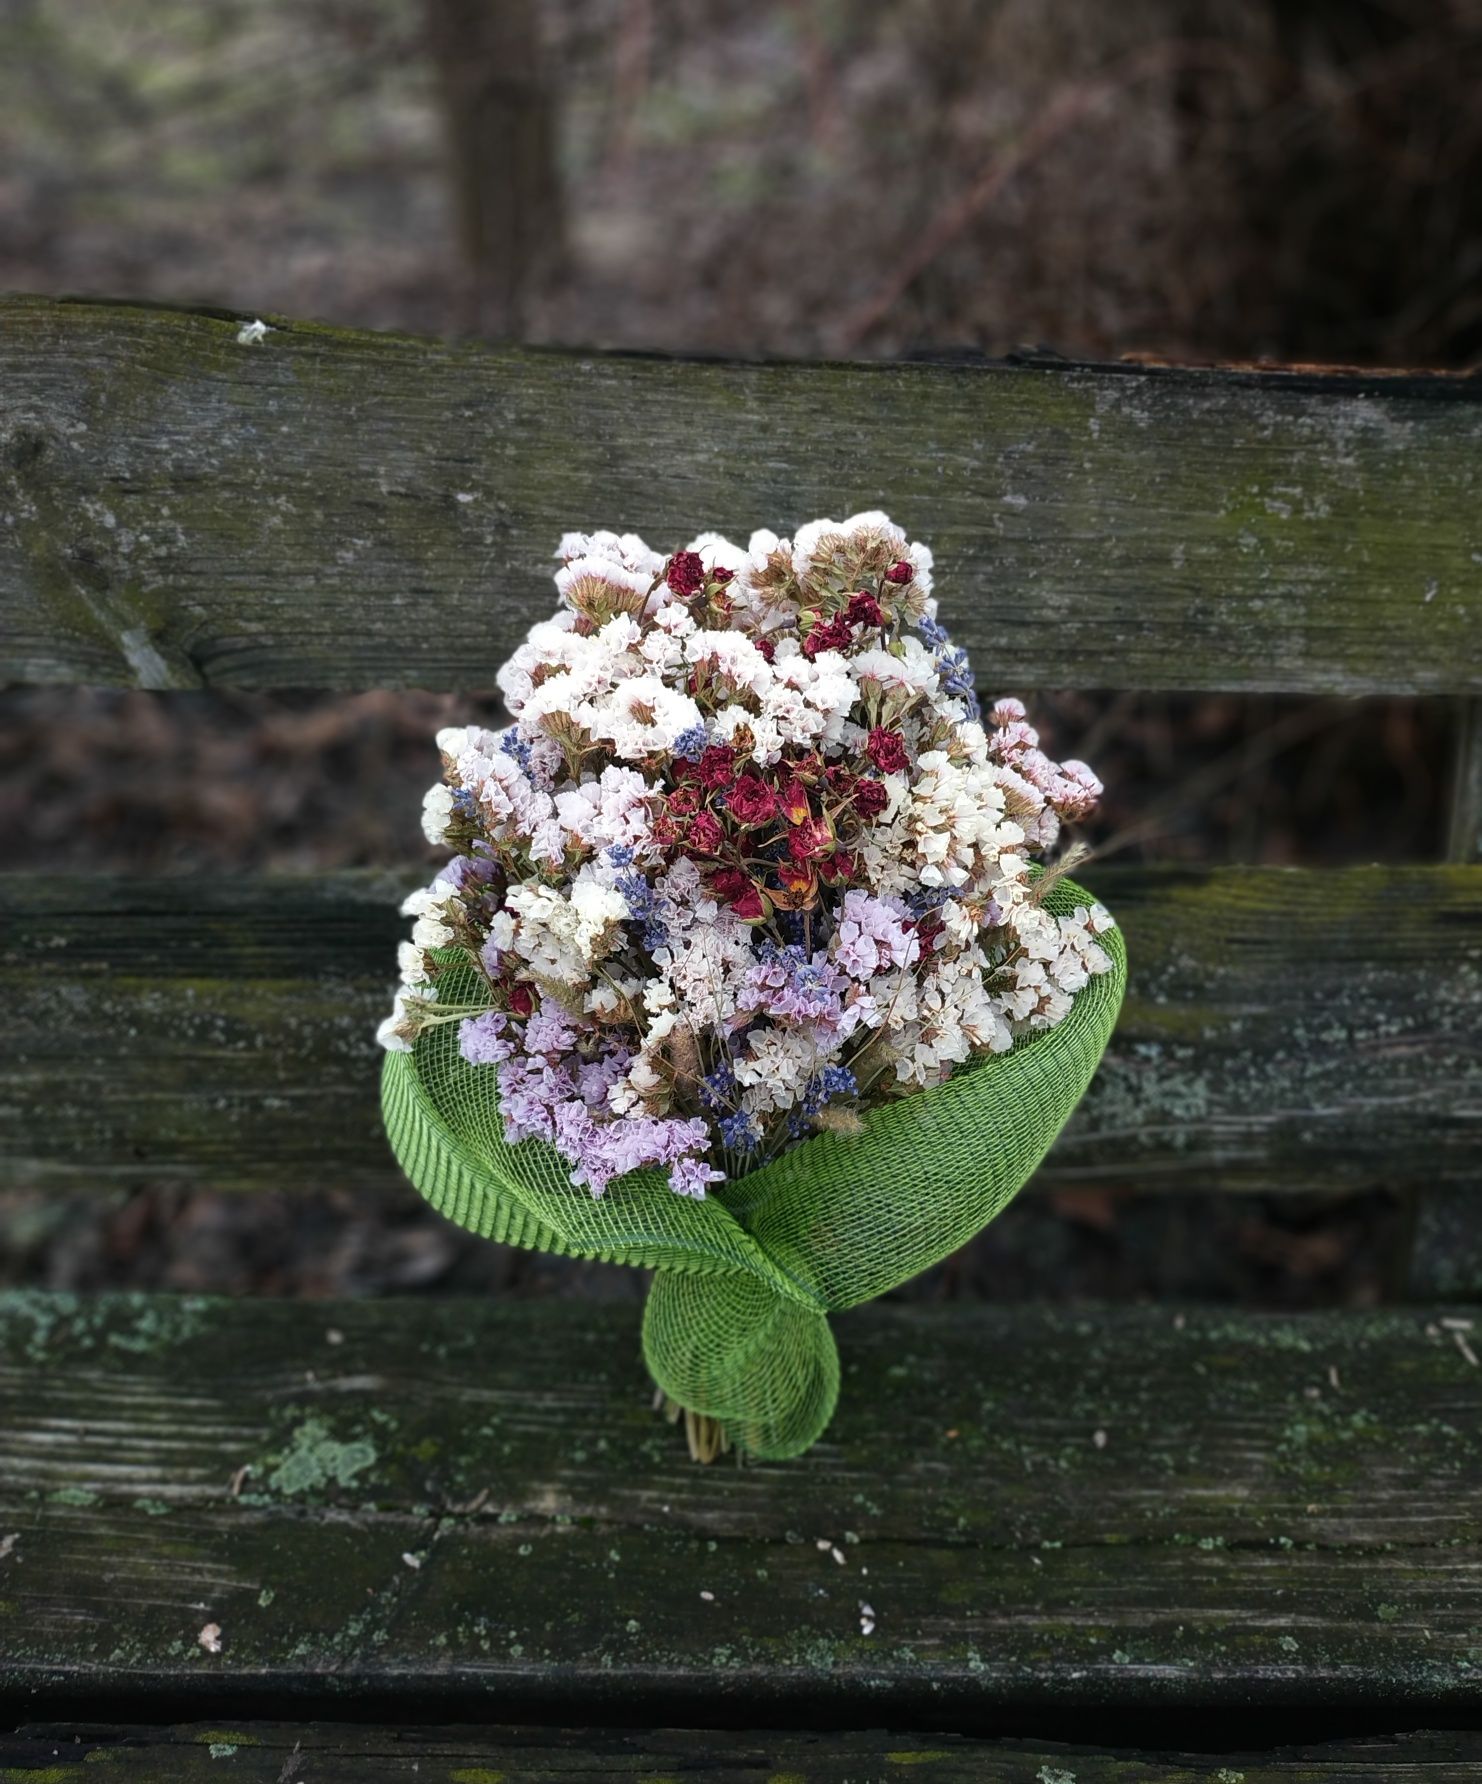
point(1147, 1543)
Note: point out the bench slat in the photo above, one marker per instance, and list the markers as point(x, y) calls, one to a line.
point(339, 509)
point(1283, 1029)
point(341, 1753)
point(471, 1508)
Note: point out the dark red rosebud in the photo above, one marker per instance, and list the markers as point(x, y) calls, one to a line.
point(810, 769)
point(839, 867)
point(793, 799)
point(928, 929)
point(767, 648)
point(730, 883)
point(751, 801)
point(722, 576)
point(664, 830)
point(840, 779)
point(685, 574)
point(683, 802)
point(900, 572)
point(703, 835)
point(521, 1000)
point(809, 840)
point(750, 907)
point(887, 750)
point(864, 610)
point(717, 767)
point(829, 634)
point(870, 798)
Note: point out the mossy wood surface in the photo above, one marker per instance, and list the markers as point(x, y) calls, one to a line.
point(339, 1753)
point(1283, 1029)
point(329, 508)
point(472, 1508)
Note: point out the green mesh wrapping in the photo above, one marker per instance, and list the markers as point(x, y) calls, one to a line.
point(736, 1324)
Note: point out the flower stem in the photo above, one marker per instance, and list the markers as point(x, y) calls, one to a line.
point(705, 1436)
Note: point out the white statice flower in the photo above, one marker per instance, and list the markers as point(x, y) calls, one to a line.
point(732, 722)
point(913, 671)
point(732, 655)
point(398, 1032)
point(771, 1068)
point(562, 938)
point(437, 810)
point(641, 717)
point(705, 967)
point(717, 552)
point(429, 905)
point(614, 810)
point(412, 962)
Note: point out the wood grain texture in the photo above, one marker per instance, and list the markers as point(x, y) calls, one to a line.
point(1464, 829)
point(339, 1753)
point(1283, 1029)
point(336, 509)
point(473, 1509)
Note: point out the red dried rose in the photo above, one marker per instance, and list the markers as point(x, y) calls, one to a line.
point(730, 883)
point(900, 571)
point(722, 576)
point(797, 886)
point(840, 867)
point(864, 610)
point(703, 836)
point(683, 802)
point(928, 929)
point(793, 799)
point(809, 840)
point(828, 634)
point(685, 574)
point(751, 907)
point(767, 648)
point(751, 800)
point(887, 750)
point(521, 1000)
point(717, 766)
point(870, 798)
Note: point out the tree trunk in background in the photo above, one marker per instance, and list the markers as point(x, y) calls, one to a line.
point(502, 142)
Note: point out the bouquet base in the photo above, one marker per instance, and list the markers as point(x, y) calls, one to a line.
point(707, 1437)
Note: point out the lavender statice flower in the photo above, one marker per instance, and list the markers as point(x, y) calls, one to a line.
point(482, 1039)
point(529, 1094)
point(786, 985)
point(602, 1150)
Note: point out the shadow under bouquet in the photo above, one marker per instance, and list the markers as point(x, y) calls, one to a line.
point(747, 968)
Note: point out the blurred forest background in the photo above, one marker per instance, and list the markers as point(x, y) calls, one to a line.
point(1298, 180)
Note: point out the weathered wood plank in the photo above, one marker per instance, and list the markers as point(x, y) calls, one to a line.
point(1446, 1241)
point(1464, 831)
point(343, 1753)
point(1282, 1029)
point(333, 509)
point(472, 1509)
